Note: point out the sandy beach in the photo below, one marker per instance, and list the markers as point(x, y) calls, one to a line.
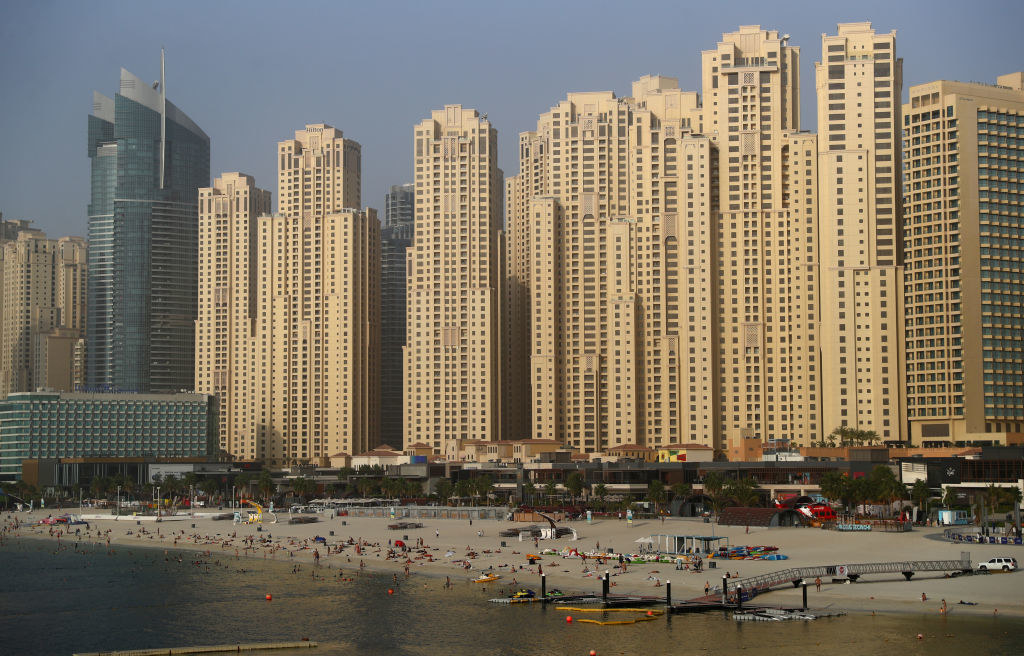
point(448, 546)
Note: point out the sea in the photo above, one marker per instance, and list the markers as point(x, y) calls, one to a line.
point(73, 599)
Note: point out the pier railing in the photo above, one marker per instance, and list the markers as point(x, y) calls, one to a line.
point(754, 585)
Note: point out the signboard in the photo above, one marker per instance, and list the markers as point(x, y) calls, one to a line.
point(841, 571)
point(590, 517)
point(391, 511)
point(629, 517)
point(159, 472)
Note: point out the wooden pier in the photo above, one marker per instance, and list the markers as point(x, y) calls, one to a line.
point(206, 649)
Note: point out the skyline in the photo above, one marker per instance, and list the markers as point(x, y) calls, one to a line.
point(203, 74)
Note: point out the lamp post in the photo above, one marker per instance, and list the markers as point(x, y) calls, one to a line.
point(117, 513)
point(159, 500)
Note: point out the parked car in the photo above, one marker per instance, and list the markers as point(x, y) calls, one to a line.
point(1004, 564)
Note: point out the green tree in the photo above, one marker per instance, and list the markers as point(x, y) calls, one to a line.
point(483, 486)
point(266, 484)
point(743, 491)
point(550, 489)
point(949, 498)
point(656, 494)
point(885, 487)
point(443, 488)
point(99, 486)
point(529, 489)
point(835, 486)
point(303, 487)
point(714, 489)
point(242, 482)
point(463, 488)
point(601, 491)
point(575, 484)
point(209, 487)
point(344, 473)
point(921, 493)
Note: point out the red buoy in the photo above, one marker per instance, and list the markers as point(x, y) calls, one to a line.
point(593, 652)
point(391, 591)
point(269, 597)
point(568, 619)
point(650, 613)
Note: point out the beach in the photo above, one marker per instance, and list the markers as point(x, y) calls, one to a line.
point(449, 545)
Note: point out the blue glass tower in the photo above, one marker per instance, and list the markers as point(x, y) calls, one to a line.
point(148, 162)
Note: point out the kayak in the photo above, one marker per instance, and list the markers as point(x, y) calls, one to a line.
point(486, 578)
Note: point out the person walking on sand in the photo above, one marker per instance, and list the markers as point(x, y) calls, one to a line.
point(707, 587)
point(437, 532)
point(817, 584)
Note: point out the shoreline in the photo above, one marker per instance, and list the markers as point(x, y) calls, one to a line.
point(995, 594)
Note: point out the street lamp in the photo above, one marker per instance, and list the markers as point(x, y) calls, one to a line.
point(159, 499)
point(117, 513)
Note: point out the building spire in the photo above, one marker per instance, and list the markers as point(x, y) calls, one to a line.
point(163, 117)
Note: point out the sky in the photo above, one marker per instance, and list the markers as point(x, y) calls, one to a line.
point(250, 73)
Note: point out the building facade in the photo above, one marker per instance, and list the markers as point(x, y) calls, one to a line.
point(609, 283)
point(400, 205)
point(317, 336)
point(767, 242)
point(148, 161)
point(396, 238)
point(962, 194)
point(42, 312)
point(71, 425)
point(288, 334)
point(859, 85)
point(225, 359)
point(451, 358)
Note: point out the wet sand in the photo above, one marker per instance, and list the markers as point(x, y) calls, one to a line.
point(449, 545)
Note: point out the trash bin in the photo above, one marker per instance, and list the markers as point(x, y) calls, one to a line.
point(405, 537)
point(193, 526)
point(344, 523)
point(533, 561)
point(712, 564)
point(259, 529)
point(707, 520)
point(332, 533)
point(503, 543)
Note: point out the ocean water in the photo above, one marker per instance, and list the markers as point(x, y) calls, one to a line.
point(62, 602)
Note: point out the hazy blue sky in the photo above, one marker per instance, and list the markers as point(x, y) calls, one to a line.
point(250, 73)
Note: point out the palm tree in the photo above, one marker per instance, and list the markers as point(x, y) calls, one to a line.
point(529, 489)
point(463, 488)
point(550, 488)
point(714, 487)
point(743, 491)
point(656, 493)
point(242, 482)
point(949, 498)
point(99, 486)
point(601, 491)
point(483, 486)
point(266, 484)
point(920, 493)
point(575, 484)
point(443, 488)
point(303, 487)
point(209, 487)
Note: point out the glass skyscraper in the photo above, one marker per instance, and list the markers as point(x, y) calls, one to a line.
point(143, 240)
point(395, 238)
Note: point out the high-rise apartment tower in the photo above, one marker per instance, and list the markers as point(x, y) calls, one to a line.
point(963, 194)
point(452, 344)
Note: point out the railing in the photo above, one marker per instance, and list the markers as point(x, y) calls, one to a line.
point(765, 582)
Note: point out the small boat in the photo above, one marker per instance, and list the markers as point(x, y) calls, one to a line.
point(486, 578)
point(524, 594)
point(556, 593)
